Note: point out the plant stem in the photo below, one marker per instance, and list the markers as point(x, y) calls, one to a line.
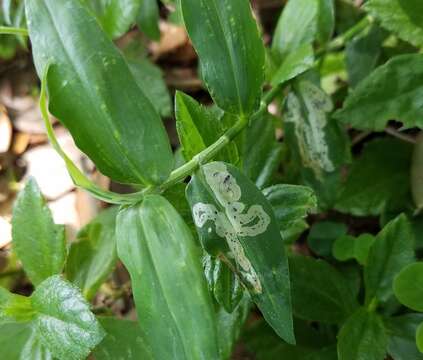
point(13, 31)
point(342, 39)
point(404, 137)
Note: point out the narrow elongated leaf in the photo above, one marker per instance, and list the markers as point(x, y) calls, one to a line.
point(37, 241)
point(378, 179)
point(319, 292)
point(198, 127)
point(148, 18)
point(392, 91)
point(19, 341)
point(392, 250)
point(235, 221)
point(92, 258)
point(169, 287)
point(64, 322)
point(325, 20)
point(402, 336)
point(115, 16)
point(408, 286)
point(403, 17)
point(123, 341)
point(92, 91)
point(363, 336)
point(231, 51)
point(291, 204)
point(417, 172)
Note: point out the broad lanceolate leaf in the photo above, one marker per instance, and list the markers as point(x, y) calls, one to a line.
point(408, 286)
point(198, 127)
point(291, 204)
point(148, 18)
point(64, 322)
point(261, 154)
point(319, 291)
point(231, 51)
point(393, 91)
point(402, 336)
point(93, 256)
point(378, 179)
point(39, 243)
point(124, 338)
point(173, 304)
point(115, 16)
point(149, 78)
point(417, 172)
point(362, 337)
point(392, 250)
point(315, 140)
point(223, 283)
point(93, 92)
point(19, 341)
point(235, 221)
point(403, 17)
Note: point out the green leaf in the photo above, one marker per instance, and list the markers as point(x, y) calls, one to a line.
point(198, 127)
point(378, 179)
point(392, 250)
point(145, 72)
point(261, 154)
point(314, 139)
point(296, 26)
point(173, 304)
point(148, 18)
point(115, 16)
point(235, 221)
point(326, 20)
point(93, 93)
point(231, 51)
point(403, 17)
point(223, 283)
point(319, 291)
point(14, 307)
point(93, 256)
point(363, 53)
point(402, 336)
point(348, 247)
point(408, 286)
point(39, 244)
point(64, 322)
point(363, 336)
point(291, 204)
point(293, 64)
point(419, 337)
point(417, 172)
point(322, 236)
point(123, 341)
point(392, 91)
point(19, 341)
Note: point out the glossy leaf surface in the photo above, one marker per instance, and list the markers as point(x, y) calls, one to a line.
point(93, 256)
point(93, 92)
point(392, 91)
point(38, 242)
point(230, 49)
point(170, 291)
point(363, 336)
point(392, 250)
point(64, 322)
point(234, 220)
point(408, 286)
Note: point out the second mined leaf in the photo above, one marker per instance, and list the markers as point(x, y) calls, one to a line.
point(235, 221)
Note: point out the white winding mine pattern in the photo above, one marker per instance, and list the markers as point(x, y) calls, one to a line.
point(236, 221)
point(310, 133)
